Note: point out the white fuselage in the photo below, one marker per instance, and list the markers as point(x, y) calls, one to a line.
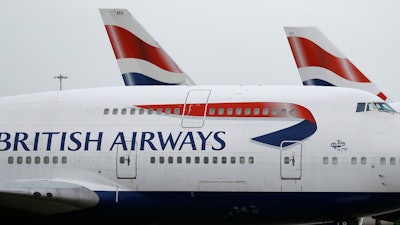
point(125, 140)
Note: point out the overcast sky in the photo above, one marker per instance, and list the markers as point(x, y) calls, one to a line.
point(233, 42)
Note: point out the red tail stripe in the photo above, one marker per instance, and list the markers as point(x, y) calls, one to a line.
point(307, 53)
point(127, 45)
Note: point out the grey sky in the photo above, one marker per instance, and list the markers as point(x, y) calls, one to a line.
point(214, 41)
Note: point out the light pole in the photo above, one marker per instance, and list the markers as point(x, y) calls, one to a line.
point(60, 77)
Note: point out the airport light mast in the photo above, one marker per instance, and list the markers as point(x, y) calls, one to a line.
point(60, 77)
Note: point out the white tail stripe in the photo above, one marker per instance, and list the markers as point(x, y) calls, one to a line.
point(122, 18)
point(129, 65)
point(309, 73)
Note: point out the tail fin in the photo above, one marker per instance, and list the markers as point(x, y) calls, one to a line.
point(321, 63)
point(140, 58)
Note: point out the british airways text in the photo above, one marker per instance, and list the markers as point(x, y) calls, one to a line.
point(85, 141)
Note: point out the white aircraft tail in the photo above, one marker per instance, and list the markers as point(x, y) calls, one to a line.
point(321, 63)
point(140, 58)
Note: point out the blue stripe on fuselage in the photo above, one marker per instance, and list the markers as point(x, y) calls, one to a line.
point(234, 207)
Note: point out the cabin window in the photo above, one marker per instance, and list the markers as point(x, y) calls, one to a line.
point(233, 160)
point(238, 111)
point(247, 111)
point(115, 111)
point(64, 160)
point(37, 159)
point(334, 160)
point(167, 111)
point(223, 160)
point(251, 160)
point(205, 160)
point(241, 160)
point(221, 111)
point(292, 112)
point(212, 111)
point(392, 161)
point(382, 161)
point(141, 111)
point(121, 160)
point(286, 160)
point(161, 160)
point(19, 160)
point(197, 160)
point(28, 160)
point(188, 160)
point(256, 111)
point(363, 160)
point(265, 111)
point(283, 112)
point(159, 111)
point(10, 160)
point(325, 160)
point(153, 160)
point(353, 160)
point(179, 160)
point(132, 111)
point(170, 160)
point(215, 160)
point(123, 111)
point(106, 111)
point(176, 111)
point(229, 111)
point(46, 160)
point(274, 112)
point(150, 111)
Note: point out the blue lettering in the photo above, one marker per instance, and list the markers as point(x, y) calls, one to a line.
point(147, 140)
point(49, 139)
point(36, 141)
point(133, 143)
point(119, 140)
point(168, 140)
point(62, 142)
point(219, 140)
point(189, 136)
point(75, 141)
point(21, 140)
point(98, 141)
point(203, 139)
point(5, 140)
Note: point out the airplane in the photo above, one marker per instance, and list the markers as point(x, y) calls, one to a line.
point(209, 154)
point(321, 63)
point(141, 60)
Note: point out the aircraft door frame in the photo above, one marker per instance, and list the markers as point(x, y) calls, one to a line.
point(291, 160)
point(126, 162)
point(195, 106)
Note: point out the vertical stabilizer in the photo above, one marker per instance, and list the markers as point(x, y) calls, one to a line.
point(321, 63)
point(140, 58)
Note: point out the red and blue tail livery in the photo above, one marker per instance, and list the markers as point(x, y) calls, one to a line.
point(140, 58)
point(321, 63)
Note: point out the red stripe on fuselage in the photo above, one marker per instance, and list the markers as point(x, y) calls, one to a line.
point(228, 110)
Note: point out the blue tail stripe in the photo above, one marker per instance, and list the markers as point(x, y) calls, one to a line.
point(317, 82)
point(132, 79)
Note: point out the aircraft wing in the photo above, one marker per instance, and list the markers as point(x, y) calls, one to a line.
point(45, 196)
